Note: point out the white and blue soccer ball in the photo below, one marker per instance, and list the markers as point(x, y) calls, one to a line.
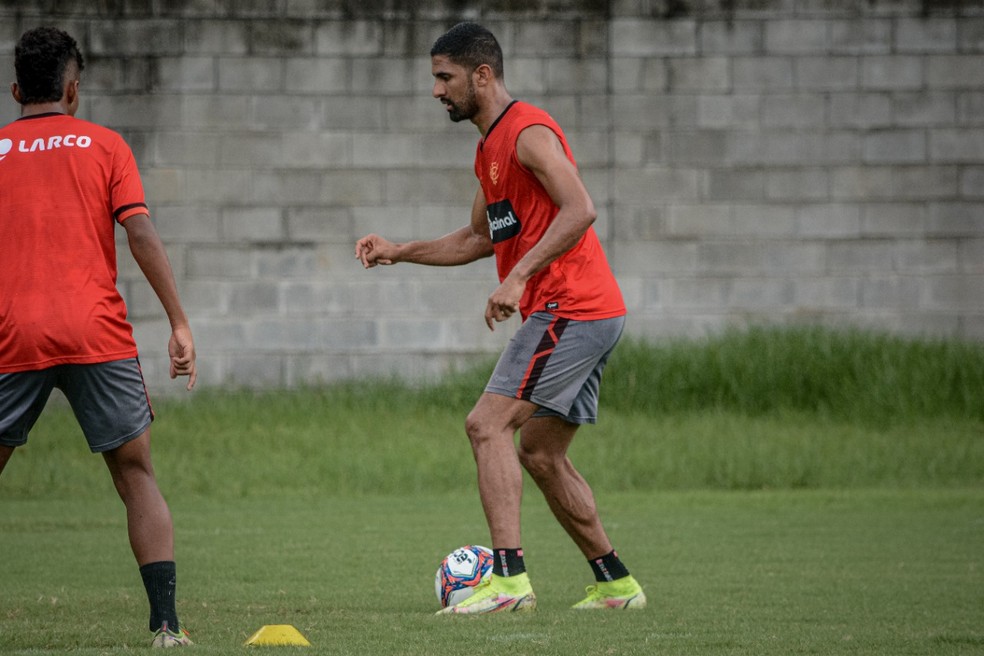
point(459, 573)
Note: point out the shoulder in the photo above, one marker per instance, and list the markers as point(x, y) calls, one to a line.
point(93, 127)
point(105, 135)
point(530, 116)
point(526, 114)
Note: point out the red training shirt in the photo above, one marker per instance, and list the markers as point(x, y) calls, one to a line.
point(577, 285)
point(64, 183)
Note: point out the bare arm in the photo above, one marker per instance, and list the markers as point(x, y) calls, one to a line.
point(539, 149)
point(464, 245)
point(148, 251)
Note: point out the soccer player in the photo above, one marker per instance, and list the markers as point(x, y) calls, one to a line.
point(64, 184)
point(534, 214)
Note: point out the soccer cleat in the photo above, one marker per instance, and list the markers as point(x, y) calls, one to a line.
point(165, 637)
point(497, 593)
point(622, 594)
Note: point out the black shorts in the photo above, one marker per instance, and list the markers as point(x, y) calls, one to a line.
point(109, 400)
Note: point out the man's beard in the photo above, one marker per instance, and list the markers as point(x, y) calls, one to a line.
point(466, 109)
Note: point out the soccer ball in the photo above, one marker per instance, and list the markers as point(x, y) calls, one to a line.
point(460, 572)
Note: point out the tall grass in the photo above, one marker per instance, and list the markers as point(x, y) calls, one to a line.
point(851, 374)
point(842, 374)
point(791, 408)
point(847, 374)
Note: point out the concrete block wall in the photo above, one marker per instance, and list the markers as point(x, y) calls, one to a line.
point(775, 161)
point(802, 162)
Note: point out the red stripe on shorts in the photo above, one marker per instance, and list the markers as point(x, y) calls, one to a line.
point(539, 361)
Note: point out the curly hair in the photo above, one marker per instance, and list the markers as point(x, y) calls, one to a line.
point(41, 59)
point(470, 45)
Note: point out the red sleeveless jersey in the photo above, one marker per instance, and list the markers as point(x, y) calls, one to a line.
point(577, 285)
point(64, 183)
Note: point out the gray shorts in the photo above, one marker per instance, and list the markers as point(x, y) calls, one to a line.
point(557, 363)
point(109, 400)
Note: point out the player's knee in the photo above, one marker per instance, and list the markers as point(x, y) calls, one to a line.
point(539, 464)
point(480, 431)
point(474, 428)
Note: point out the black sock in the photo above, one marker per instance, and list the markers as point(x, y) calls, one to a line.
point(608, 568)
point(159, 580)
point(508, 562)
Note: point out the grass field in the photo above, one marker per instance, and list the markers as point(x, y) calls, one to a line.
point(759, 573)
point(767, 511)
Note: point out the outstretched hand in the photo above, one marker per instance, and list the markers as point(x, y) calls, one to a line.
point(181, 349)
point(373, 249)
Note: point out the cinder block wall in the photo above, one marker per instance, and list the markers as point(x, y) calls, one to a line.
point(753, 161)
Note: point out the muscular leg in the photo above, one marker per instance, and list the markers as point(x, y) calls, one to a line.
point(491, 425)
point(542, 451)
point(147, 515)
point(5, 453)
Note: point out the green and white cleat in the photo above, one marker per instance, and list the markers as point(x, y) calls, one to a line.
point(165, 638)
point(496, 594)
point(622, 594)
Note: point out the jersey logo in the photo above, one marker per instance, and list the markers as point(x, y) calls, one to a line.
point(41, 144)
point(494, 172)
point(503, 223)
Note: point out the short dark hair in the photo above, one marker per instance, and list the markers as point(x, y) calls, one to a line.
point(41, 59)
point(470, 45)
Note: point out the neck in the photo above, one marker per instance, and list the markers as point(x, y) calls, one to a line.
point(43, 108)
point(484, 119)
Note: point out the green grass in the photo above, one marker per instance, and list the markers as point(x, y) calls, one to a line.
point(784, 492)
point(760, 573)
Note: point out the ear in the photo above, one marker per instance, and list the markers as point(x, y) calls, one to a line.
point(71, 92)
point(483, 75)
point(15, 92)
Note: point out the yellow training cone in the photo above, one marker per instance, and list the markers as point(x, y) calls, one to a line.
point(276, 635)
